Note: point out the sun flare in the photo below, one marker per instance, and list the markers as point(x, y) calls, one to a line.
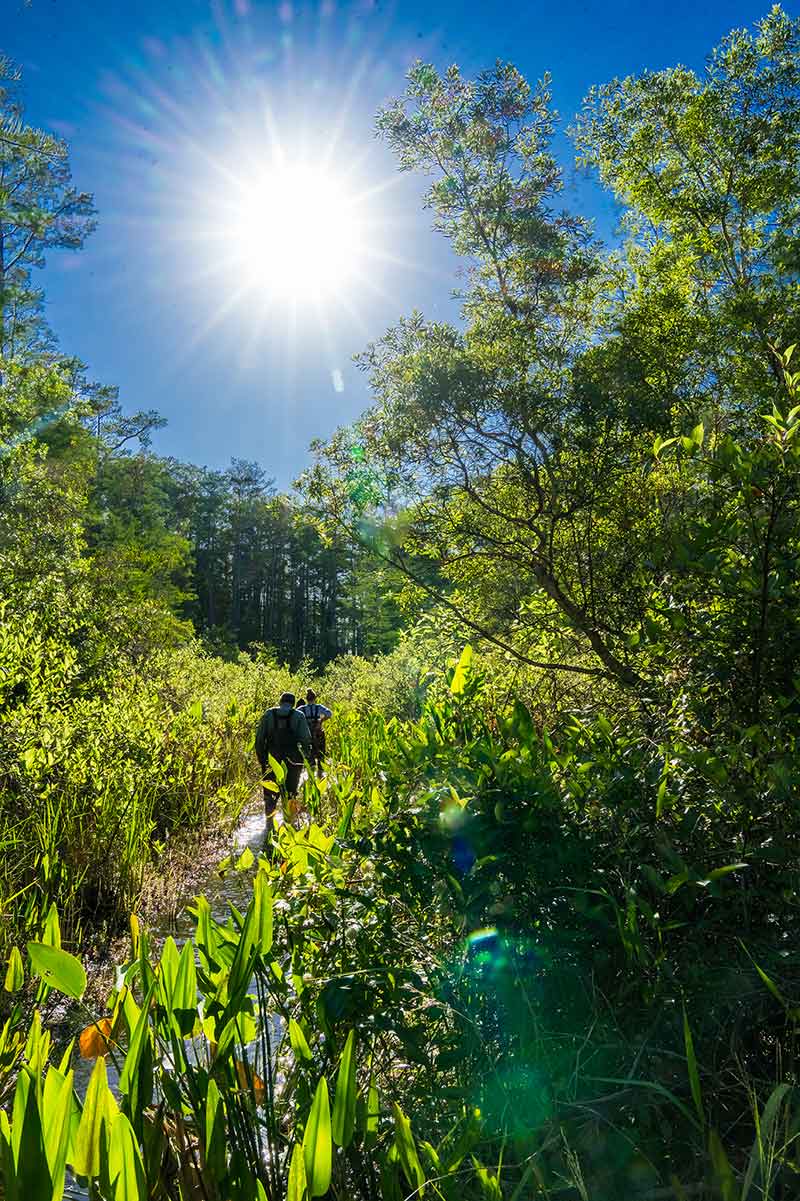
point(297, 233)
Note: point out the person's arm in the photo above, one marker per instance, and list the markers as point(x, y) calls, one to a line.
point(324, 712)
point(261, 741)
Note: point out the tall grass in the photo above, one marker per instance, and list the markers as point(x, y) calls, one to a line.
point(99, 769)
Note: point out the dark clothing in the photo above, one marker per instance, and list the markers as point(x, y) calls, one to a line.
point(283, 733)
point(316, 715)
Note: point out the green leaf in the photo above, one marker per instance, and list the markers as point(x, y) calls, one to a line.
point(263, 899)
point(51, 934)
point(298, 1040)
point(184, 993)
point(372, 1115)
point(31, 1174)
point(773, 988)
point(698, 434)
point(298, 1186)
point(722, 1168)
point(764, 1125)
point(215, 1134)
point(317, 1146)
point(99, 1109)
point(8, 1170)
point(694, 1075)
point(125, 1166)
point(661, 444)
point(168, 970)
point(57, 1102)
point(407, 1150)
point(459, 680)
point(58, 969)
point(277, 768)
point(15, 976)
point(245, 860)
point(344, 1103)
point(718, 872)
point(128, 1080)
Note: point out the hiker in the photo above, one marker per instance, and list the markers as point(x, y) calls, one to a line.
point(315, 715)
point(283, 733)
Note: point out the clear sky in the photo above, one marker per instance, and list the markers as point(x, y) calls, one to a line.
point(171, 107)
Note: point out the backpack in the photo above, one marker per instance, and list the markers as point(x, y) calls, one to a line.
point(314, 720)
point(282, 740)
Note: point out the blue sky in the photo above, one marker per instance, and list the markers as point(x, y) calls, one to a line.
point(163, 101)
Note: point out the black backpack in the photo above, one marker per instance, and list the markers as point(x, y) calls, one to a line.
point(282, 741)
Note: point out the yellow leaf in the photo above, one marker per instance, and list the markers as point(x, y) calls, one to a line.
point(96, 1039)
point(250, 1082)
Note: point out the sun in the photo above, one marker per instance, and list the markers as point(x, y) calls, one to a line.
point(297, 232)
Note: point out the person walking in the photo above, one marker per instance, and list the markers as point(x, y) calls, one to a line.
point(316, 714)
point(283, 733)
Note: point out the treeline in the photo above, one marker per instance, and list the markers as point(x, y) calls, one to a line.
point(242, 562)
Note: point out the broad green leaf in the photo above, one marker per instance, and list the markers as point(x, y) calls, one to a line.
point(407, 1150)
point(58, 969)
point(57, 1099)
point(31, 1172)
point(372, 1115)
point(298, 1186)
point(8, 1170)
point(125, 1167)
point(138, 1040)
point(99, 1109)
point(184, 995)
point(298, 1040)
point(262, 894)
point(317, 1147)
point(243, 961)
point(51, 935)
point(245, 860)
point(343, 1121)
point(215, 1133)
point(15, 975)
point(459, 680)
point(37, 1045)
point(168, 970)
point(277, 768)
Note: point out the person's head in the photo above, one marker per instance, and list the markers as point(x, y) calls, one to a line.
point(311, 696)
point(287, 699)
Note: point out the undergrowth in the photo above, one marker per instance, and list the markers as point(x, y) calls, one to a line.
point(492, 965)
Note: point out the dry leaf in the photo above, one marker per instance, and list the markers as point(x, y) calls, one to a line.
point(248, 1080)
point(95, 1040)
